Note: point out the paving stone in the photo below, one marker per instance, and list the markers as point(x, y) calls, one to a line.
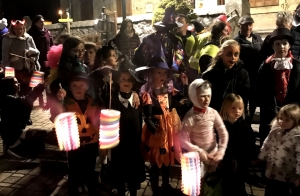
point(39, 194)
point(11, 179)
point(24, 171)
point(22, 192)
point(36, 186)
point(3, 176)
point(18, 186)
point(3, 184)
point(6, 191)
point(25, 180)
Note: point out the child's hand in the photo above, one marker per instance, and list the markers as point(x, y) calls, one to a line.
point(217, 158)
point(203, 155)
point(135, 100)
point(297, 182)
point(61, 94)
point(184, 79)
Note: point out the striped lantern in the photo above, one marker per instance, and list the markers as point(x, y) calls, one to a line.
point(37, 78)
point(190, 173)
point(109, 128)
point(67, 133)
point(9, 71)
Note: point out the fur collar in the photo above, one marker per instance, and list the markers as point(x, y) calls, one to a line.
point(24, 37)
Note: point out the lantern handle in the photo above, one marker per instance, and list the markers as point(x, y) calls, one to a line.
point(110, 84)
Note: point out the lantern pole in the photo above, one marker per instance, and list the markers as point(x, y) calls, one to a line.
point(124, 9)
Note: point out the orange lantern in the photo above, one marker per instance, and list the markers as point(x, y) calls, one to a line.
point(67, 133)
point(9, 71)
point(190, 173)
point(37, 78)
point(109, 128)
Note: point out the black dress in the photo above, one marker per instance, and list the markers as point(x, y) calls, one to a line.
point(127, 164)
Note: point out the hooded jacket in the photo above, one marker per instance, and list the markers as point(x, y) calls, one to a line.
point(234, 80)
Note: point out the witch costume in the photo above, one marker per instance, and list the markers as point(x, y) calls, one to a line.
point(127, 164)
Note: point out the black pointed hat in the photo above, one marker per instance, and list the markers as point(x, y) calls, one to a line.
point(168, 19)
point(127, 66)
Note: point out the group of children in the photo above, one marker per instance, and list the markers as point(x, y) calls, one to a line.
point(222, 138)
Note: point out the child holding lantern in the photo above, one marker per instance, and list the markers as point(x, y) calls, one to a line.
point(160, 137)
point(199, 125)
point(82, 160)
point(132, 170)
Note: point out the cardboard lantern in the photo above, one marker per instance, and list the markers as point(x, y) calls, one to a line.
point(9, 71)
point(190, 173)
point(37, 78)
point(109, 128)
point(67, 133)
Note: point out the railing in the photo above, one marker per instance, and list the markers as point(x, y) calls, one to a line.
point(107, 24)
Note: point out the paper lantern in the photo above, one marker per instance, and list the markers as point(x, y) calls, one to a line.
point(9, 71)
point(190, 173)
point(37, 78)
point(109, 128)
point(67, 133)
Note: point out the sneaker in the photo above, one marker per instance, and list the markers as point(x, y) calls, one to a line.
point(17, 152)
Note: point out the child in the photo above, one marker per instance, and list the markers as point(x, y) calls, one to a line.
point(162, 123)
point(240, 146)
point(82, 161)
point(127, 164)
point(281, 151)
point(89, 56)
point(15, 112)
point(199, 125)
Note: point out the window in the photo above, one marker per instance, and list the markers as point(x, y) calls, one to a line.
point(221, 2)
point(261, 3)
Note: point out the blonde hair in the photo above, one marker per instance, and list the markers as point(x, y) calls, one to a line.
point(291, 111)
point(11, 29)
point(284, 18)
point(224, 45)
point(227, 103)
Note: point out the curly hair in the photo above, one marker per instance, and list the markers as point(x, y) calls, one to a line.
point(284, 19)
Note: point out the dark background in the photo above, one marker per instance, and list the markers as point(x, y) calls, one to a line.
point(17, 9)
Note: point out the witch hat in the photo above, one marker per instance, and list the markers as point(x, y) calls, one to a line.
point(127, 66)
point(168, 19)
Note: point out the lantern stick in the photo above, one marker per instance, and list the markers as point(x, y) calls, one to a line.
point(110, 84)
point(18, 56)
point(61, 89)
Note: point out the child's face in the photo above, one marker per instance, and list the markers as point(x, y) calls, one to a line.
point(126, 82)
point(90, 56)
point(203, 100)
point(281, 48)
point(78, 89)
point(230, 56)
point(78, 51)
point(235, 111)
point(285, 123)
point(159, 77)
point(112, 59)
point(16, 85)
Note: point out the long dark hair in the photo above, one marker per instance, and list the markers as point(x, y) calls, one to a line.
point(101, 55)
point(124, 25)
point(216, 31)
point(68, 45)
point(34, 28)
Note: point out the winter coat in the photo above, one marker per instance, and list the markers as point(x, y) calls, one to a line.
point(15, 112)
point(43, 41)
point(125, 44)
point(266, 49)
point(18, 46)
point(2, 33)
point(296, 46)
point(224, 82)
point(188, 42)
point(250, 55)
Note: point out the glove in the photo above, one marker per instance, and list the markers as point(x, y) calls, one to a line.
point(148, 118)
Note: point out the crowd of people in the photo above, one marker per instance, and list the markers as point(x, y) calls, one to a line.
point(178, 91)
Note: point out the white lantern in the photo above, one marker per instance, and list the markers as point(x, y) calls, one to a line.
point(190, 173)
point(109, 128)
point(67, 133)
point(9, 71)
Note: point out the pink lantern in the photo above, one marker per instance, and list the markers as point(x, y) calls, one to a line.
point(9, 71)
point(67, 133)
point(190, 173)
point(109, 128)
point(37, 78)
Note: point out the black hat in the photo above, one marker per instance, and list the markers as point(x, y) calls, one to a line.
point(197, 25)
point(127, 66)
point(79, 76)
point(155, 62)
point(281, 33)
point(168, 19)
point(246, 19)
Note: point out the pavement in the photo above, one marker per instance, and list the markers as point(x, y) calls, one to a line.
point(47, 174)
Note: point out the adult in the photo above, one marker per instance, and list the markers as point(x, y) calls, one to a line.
point(126, 40)
point(250, 46)
point(296, 33)
point(198, 27)
point(278, 81)
point(19, 51)
point(210, 49)
point(227, 75)
point(3, 31)
point(283, 20)
point(43, 41)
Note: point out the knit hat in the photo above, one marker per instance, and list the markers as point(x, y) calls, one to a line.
point(193, 91)
point(3, 23)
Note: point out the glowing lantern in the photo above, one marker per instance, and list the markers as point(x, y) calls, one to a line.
point(36, 78)
point(109, 128)
point(9, 71)
point(67, 133)
point(190, 173)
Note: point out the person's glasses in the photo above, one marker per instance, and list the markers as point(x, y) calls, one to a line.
point(78, 51)
point(14, 22)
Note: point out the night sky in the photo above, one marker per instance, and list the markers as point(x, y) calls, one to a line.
point(16, 9)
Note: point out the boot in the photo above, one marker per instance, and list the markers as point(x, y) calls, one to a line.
point(166, 187)
point(104, 173)
point(154, 176)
